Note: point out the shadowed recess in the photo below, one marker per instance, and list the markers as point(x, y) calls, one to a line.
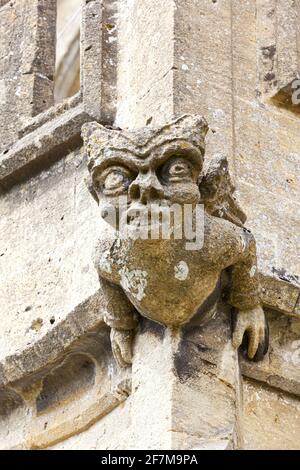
point(75, 376)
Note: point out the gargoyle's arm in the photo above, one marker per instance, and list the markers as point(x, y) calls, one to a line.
point(119, 312)
point(120, 315)
point(245, 288)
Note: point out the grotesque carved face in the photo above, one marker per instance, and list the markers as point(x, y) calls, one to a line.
point(148, 166)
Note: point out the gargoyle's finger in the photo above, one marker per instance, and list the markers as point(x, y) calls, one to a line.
point(118, 356)
point(125, 350)
point(116, 352)
point(266, 338)
point(262, 335)
point(254, 339)
point(263, 345)
point(238, 335)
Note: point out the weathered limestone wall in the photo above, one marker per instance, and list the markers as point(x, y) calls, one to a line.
point(142, 62)
point(271, 419)
point(49, 255)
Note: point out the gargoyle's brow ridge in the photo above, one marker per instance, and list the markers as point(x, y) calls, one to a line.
point(131, 147)
point(185, 127)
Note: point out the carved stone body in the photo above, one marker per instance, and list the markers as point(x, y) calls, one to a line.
point(168, 284)
point(160, 278)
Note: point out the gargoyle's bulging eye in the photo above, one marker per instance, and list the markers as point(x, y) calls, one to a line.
point(114, 180)
point(177, 170)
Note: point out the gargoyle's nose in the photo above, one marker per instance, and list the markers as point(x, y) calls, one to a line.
point(146, 188)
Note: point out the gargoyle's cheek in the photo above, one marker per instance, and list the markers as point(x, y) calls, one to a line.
point(183, 193)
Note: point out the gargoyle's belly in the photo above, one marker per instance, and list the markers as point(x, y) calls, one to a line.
point(173, 303)
point(166, 284)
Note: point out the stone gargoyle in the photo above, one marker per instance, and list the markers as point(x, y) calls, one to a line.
point(163, 278)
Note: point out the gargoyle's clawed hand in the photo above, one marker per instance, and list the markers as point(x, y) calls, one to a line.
point(256, 340)
point(121, 343)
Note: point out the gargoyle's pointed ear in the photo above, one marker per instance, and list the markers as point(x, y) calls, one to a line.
point(193, 128)
point(217, 192)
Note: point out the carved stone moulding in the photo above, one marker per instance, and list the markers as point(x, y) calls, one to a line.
point(60, 387)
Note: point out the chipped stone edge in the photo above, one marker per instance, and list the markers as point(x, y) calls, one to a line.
point(252, 371)
point(50, 114)
point(85, 417)
point(36, 146)
point(280, 295)
point(35, 360)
